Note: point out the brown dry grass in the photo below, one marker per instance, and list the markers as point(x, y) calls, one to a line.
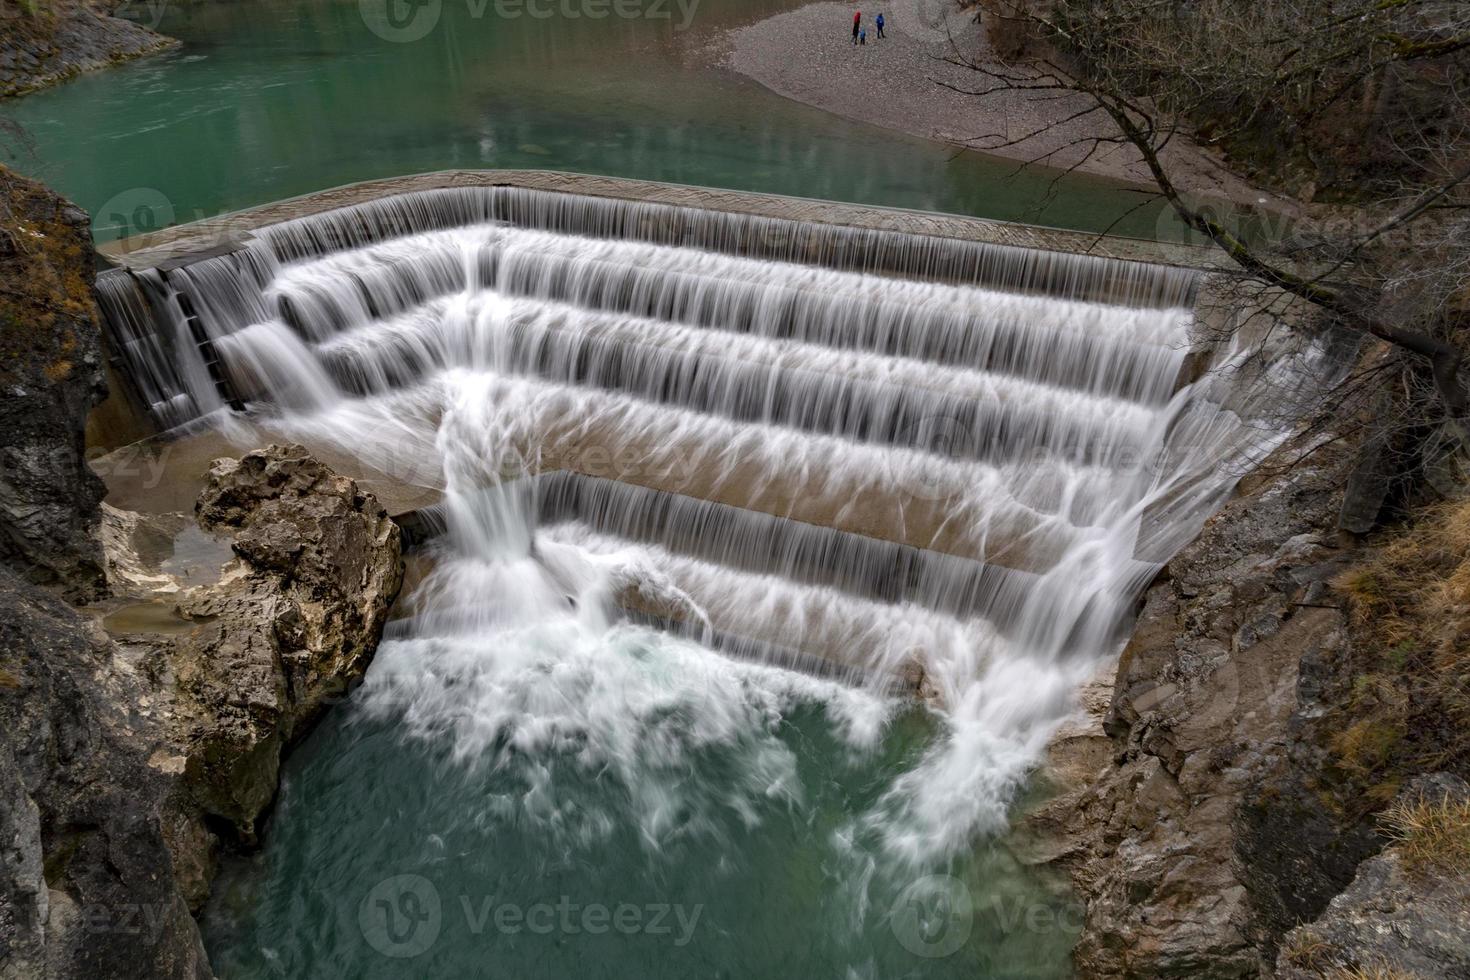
point(1372, 971)
point(1408, 709)
point(1308, 951)
point(1433, 835)
point(1304, 949)
point(1416, 591)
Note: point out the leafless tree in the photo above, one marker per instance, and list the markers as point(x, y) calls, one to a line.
point(1362, 105)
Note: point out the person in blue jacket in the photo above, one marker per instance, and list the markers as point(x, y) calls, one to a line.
point(878, 23)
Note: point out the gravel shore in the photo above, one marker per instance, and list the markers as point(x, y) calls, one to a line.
point(903, 82)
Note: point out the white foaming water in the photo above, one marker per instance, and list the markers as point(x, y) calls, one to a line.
point(517, 662)
point(907, 463)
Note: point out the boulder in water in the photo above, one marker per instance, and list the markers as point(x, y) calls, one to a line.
point(289, 628)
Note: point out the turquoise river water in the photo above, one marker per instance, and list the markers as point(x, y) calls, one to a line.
point(267, 99)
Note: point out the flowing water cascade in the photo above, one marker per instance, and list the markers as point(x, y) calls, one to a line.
point(867, 467)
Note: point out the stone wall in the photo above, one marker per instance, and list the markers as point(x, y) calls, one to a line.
point(181, 243)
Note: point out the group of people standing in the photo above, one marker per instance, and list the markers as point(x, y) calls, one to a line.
point(859, 32)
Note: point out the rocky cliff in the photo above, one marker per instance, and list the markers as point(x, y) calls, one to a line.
point(47, 41)
point(50, 376)
point(153, 670)
point(145, 733)
point(1404, 915)
point(86, 888)
point(1246, 767)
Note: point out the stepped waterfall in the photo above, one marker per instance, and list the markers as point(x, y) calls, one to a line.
point(698, 467)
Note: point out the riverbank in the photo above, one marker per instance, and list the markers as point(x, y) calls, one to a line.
point(45, 44)
point(904, 82)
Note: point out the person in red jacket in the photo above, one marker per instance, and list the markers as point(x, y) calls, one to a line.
point(857, 20)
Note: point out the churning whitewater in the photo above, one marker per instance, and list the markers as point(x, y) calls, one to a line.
point(699, 469)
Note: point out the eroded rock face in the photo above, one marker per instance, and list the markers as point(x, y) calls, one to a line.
point(291, 626)
point(1415, 920)
point(129, 742)
point(50, 376)
point(87, 888)
point(45, 43)
point(1201, 842)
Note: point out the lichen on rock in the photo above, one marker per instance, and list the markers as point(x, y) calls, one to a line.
point(50, 376)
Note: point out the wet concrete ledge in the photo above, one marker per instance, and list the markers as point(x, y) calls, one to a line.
point(199, 239)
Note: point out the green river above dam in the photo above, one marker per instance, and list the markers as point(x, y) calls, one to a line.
point(269, 99)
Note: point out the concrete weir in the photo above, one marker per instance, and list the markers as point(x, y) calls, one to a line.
point(803, 431)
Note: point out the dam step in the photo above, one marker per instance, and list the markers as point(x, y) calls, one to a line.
point(830, 604)
point(750, 541)
point(883, 453)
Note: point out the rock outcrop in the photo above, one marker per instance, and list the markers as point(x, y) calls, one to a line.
point(138, 730)
point(1260, 721)
point(87, 888)
point(291, 626)
point(1201, 842)
point(45, 43)
point(1395, 915)
point(50, 376)
point(138, 742)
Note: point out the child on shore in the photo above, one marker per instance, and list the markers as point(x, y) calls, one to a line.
point(863, 36)
point(878, 23)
